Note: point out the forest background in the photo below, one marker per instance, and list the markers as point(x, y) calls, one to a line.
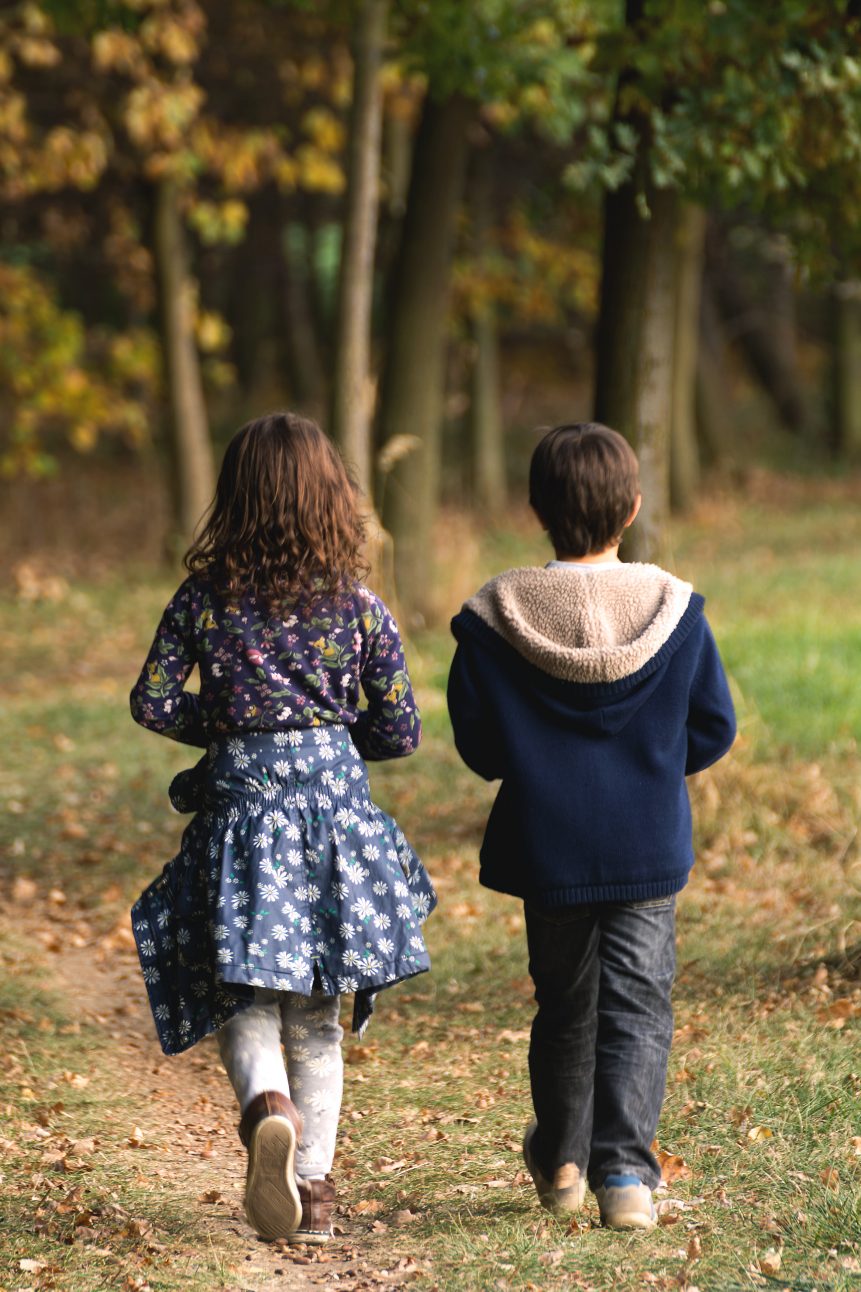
point(436, 227)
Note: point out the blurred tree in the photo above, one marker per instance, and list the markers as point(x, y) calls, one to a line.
point(193, 477)
point(352, 387)
point(845, 319)
point(684, 449)
point(412, 383)
point(727, 105)
point(487, 442)
point(489, 53)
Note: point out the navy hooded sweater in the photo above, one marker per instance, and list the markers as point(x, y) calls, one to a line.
point(591, 691)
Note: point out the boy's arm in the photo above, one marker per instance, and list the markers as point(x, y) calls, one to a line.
point(476, 733)
point(391, 726)
point(158, 699)
point(711, 715)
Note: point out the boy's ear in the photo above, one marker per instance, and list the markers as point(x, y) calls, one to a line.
point(636, 508)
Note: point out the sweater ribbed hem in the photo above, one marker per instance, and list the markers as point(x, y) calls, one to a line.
point(589, 894)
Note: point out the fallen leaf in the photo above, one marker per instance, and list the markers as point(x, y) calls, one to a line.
point(75, 1079)
point(769, 1262)
point(673, 1166)
point(360, 1053)
point(838, 1011)
point(367, 1207)
point(82, 1147)
point(24, 891)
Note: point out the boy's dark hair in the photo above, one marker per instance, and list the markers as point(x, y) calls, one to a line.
point(285, 521)
point(583, 486)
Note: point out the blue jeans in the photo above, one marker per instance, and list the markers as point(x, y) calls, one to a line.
point(601, 1038)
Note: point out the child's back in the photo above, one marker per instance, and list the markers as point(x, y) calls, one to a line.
point(591, 689)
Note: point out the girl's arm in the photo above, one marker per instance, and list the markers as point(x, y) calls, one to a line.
point(158, 699)
point(391, 726)
point(711, 715)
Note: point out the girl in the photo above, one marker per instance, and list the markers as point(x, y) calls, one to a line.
point(291, 886)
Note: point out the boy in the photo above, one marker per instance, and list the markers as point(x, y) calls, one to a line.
point(591, 688)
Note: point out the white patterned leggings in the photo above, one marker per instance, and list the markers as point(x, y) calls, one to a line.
point(307, 1026)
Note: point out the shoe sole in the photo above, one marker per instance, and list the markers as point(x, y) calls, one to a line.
point(311, 1239)
point(629, 1220)
point(272, 1202)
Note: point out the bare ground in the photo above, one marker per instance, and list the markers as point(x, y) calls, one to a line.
point(174, 1131)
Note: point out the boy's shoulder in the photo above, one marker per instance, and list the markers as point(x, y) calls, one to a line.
point(580, 622)
point(634, 590)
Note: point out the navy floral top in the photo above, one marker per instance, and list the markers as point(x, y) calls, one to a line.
point(261, 672)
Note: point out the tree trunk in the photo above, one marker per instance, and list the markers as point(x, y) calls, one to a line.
point(194, 467)
point(846, 370)
point(352, 388)
point(302, 350)
point(488, 446)
point(715, 425)
point(766, 337)
point(413, 378)
point(633, 388)
point(684, 452)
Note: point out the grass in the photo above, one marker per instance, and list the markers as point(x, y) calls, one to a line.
point(762, 1110)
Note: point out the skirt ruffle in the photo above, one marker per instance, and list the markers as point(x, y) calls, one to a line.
point(288, 877)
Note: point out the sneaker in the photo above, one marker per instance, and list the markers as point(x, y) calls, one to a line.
point(318, 1203)
point(565, 1192)
point(270, 1129)
point(626, 1203)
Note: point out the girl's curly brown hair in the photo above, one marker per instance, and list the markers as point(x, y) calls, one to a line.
point(285, 521)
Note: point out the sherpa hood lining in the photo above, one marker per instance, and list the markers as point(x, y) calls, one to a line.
point(595, 630)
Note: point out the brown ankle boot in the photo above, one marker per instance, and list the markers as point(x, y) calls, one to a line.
point(270, 1129)
point(318, 1203)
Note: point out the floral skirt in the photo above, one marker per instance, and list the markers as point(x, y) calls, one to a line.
point(287, 877)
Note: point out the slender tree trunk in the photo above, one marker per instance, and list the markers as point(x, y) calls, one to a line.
point(352, 389)
point(488, 446)
point(846, 370)
point(684, 453)
point(194, 467)
point(635, 332)
point(633, 391)
point(301, 346)
point(766, 337)
point(715, 426)
point(486, 413)
point(413, 378)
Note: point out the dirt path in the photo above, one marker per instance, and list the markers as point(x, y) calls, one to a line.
point(177, 1136)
